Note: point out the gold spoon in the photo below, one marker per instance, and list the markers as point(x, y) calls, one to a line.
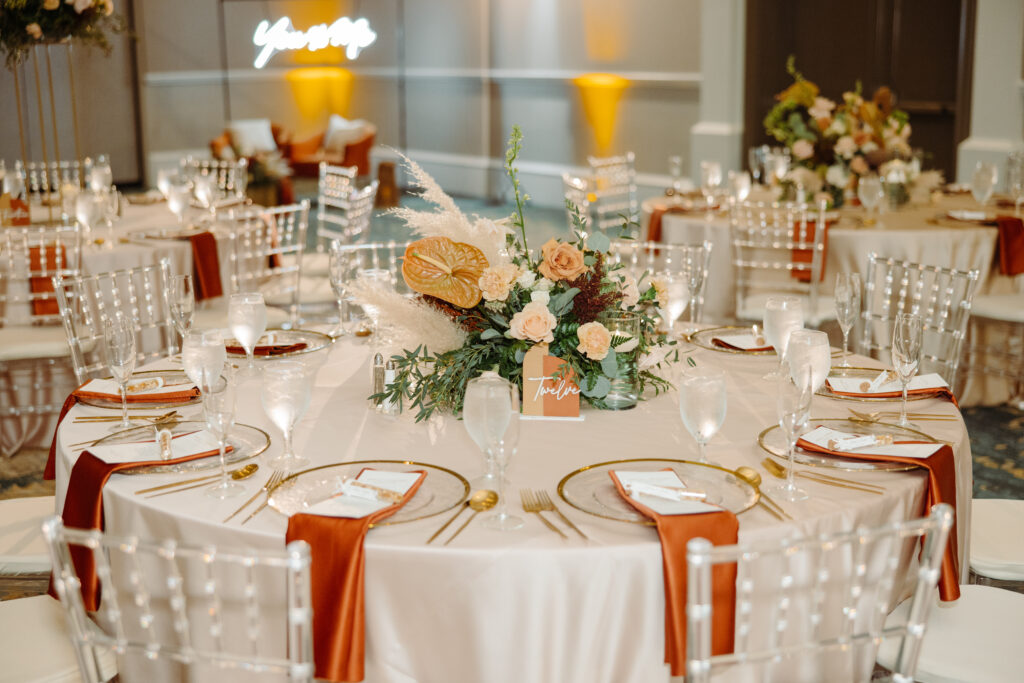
point(237, 475)
point(751, 476)
point(175, 484)
point(450, 520)
point(481, 500)
point(779, 472)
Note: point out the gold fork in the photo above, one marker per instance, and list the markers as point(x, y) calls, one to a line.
point(548, 505)
point(531, 505)
point(275, 477)
point(266, 501)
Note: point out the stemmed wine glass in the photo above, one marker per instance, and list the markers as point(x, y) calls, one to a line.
point(811, 348)
point(907, 336)
point(782, 315)
point(220, 418)
point(491, 414)
point(793, 407)
point(286, 396)
point(702, 405)
point(870, 193)
point(100, 176)
point(178, 192)
point(678, 294)
point(847, 300)
point(710, 181)
point(340, 270)
point(983, 181)
point(204, 187)
point(119, 347)
point(163, 181)
point(247, 317)
point(203, 356)
point(183, 303)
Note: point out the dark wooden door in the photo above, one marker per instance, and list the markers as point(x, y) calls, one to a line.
point(920, 48)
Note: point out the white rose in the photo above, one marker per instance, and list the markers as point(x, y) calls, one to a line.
point(836, 175)
point(540, 296)
point(526, 279)
point(845, 147)
point(543, 285)
point(836, 128)
point(868, 147)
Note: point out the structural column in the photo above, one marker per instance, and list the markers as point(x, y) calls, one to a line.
point(718, 136)
point(997, 97)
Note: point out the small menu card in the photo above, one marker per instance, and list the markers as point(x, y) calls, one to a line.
point(149, 451)
point(664, 479)
point(355, 507)
point(821, 436)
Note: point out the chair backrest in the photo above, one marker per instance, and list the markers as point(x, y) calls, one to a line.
point(375, 256)
point(139, 294)
point(343, 210)
point(693, 260)
point(614, 183)
point(205, 607)
point(29, 258)
point(610, 209)
point(818, 596)
point(231, 174)
point(776, 248)
point(43, 178)
point(265, 248)
point(941, 296)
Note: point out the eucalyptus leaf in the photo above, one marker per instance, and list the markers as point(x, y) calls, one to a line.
point(562, 303)
point(520, 355)
point(498, 319)
point(490, 333)
point(610, 364)
point(598, 241)
point(602, 385)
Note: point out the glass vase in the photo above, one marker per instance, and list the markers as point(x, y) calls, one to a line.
point(624, 327)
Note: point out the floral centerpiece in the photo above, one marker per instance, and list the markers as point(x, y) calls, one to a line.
point(484, 299)
point(833, 144)
point(25, 23)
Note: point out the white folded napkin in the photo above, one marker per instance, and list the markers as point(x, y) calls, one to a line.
point(852, 385)
point(822, 435)
point(356, 506)
point(966, 215)
point(744, 341)
point(109, 386)
point(663, 506)
point(189, 444)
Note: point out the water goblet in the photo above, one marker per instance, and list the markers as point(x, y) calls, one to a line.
point(178, 193)
point(380, 279)
point(286, 395)
point(702, 405)
point(793, 409)
point(983, 181)
point(203, 356)
point(247, 318)
point(491, 414)
point(907, 337)
point(810, 348)
point(182, 303)
point(777, 167)
point(756, 159)
point(87, 211)
point(847, 301)
point(870, 193)
point(677, 293)
point(219, 403)
point(204, 188)
point(100, 175)
point(782, 315)
point(119, 349)
point(739, 185)
point(163, 181)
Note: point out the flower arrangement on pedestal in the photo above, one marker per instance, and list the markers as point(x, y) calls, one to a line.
point(833, 144)
point(484, 300)
point(26, 23)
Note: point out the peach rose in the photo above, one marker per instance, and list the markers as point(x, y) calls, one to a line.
point(496, 283)
point(859, 166)
point(34, 30)
point(660, 289)
point(803, 149)
point(594, 340)
point(628, 287)
point(535, 322)
point(561, 261)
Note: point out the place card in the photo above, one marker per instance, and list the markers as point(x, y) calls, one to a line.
point(743, 342)
point(149, 451)
point(823, 437)
point(542, 394)
point(855, 385)
point(663, 479)
point(147, 387)
point(346, 502)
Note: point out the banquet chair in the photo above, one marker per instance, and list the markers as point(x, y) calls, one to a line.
point(45, 178)
point(609, 210)
point(207, 608)
point(997, 543)
point(343, 213)
point(941, 296)
point(614, 182)
point(24, 559)
point(777, 250)
point(648, 258)
point(231, 174)
point(139, 294)
point(995, 343)
point(817, 603)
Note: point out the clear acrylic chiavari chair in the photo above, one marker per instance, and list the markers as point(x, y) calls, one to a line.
point(941, 296)
point(231, 175)
point(204, 608)
point(614, 185)
point(641, 258)
point(815, 608)
point(343, 210)
point(44, 179)
point(140, 294)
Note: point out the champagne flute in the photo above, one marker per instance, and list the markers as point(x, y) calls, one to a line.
point(793, 407)
point(907, 337)
point(340, 270)
point(710, 181)
point(782, 315)
point(247, 318)
point(811, 348)
point(847, 300)
point(702, 405)
point(286, 396)
point(491, 414)
point(983, 181)
point(183, 303)
point(119, 348)
point(178, 193)
point(219, 402)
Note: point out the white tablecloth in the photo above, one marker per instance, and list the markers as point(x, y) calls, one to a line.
point(523, 605)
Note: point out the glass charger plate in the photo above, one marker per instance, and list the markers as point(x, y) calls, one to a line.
point(247, 442)
point(868, 374)
point(442, 489)
point(773, 442)
point(170, 377)
point(591, 490)
point(702, 338)
point(314, 342)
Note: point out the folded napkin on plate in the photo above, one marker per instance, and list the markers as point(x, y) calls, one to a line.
point(742, 342)
point(967, 215)
point(335, 530)
point(267, 349)
point(1011, 245)
point(678, 522)
point(109, 390)
point(205, 266)
point(936, 458)
point(931, 384)
point(83, 505)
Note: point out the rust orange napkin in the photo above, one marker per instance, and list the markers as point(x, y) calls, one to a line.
point(937, 392)
point(267, 349)
point(1011, 245)
point(675, 531)
point(336, 546)
point(941, 468)
point(205, 266)
point(49, 258)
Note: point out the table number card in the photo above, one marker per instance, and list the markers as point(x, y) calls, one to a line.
point(544, 396)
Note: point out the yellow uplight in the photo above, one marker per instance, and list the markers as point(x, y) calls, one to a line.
point(321, 90)
point(601, 94)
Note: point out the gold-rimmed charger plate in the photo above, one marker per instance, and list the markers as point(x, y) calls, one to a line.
point(772, 442)
point(702, 338)
point(868, 374)
point(314, 341)
point(442, 489)
point(590, 489)
point(246, 441)
point(170, 377)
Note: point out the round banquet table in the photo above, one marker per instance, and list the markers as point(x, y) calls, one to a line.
point(524, 605)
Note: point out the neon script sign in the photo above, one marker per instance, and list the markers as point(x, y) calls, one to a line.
point(281, 36)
